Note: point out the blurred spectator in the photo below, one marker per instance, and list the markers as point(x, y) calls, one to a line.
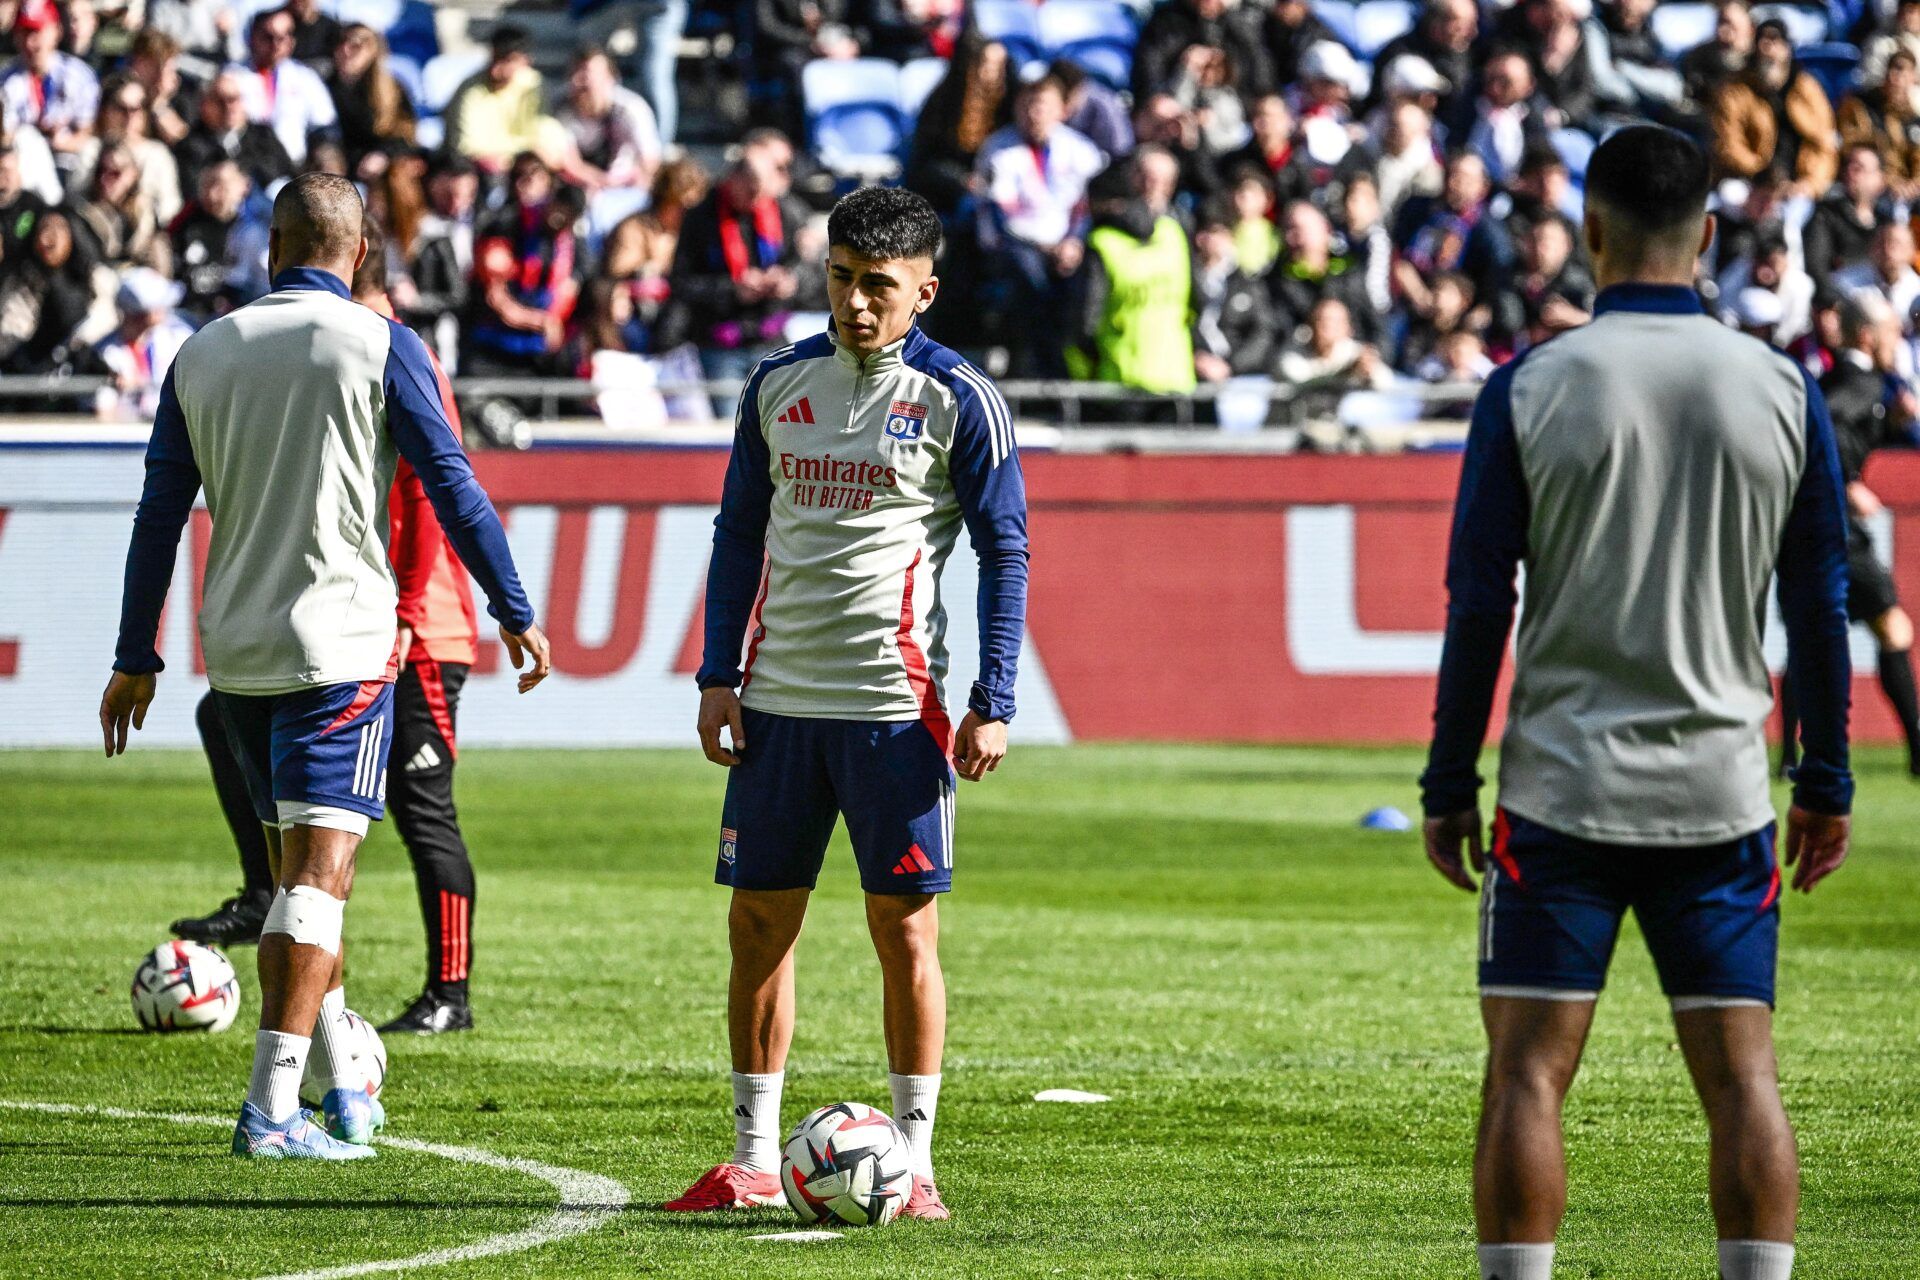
point(20, 209)
point(1840, 228)
point(655, 28)
point(1256, 240)
point(1451, 311)
point(1453, 231)
point(498, 114)
point(603, 322)
point(1291, 28)
point(1759, 215)
point(1771, 113)
point(124, 119)
point(375, 114)
point(315, 34)
point(1033, 176)
point(1756, 312)
point(1095, 110)
point(140, 350)
point(737, 267)
point(1205, 84)
point(1130, 299)
point(203, 239)
point(787, 35)
point(117, 218)
point(1903, 32)
point(614, 139)
point(1883, 117)
point(440, 257)
point(1551, 291)
point(224, 132)
point(1408, 78)
point(1459, 356)
point(1310, 271)
point(1163, 121)
point(1705, 68)
point(153, 62)
point(1542, 189)
point(1179, 25)
point(1887, 274)
point(1156, 177)
point(47, 300)
point(1407, 161)
point(1233, 322)
point(525, 276)
point(1368, 243)
point(1631, 71)
point(1508, 116)
point(907, 29)
point(1766, 267)
point(1552, 35)
point(1444, 39)
point(1272, 151)
point(1329, 357)
point(283, 93)
point(972, 100)
point(54, 92)
point(641, 249)
point(206, 29)
point(1329, 77)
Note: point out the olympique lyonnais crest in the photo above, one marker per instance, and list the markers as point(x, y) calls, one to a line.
point(905, 419)
point(729, 844)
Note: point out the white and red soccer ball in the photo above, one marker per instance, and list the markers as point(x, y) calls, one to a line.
point(183, 986)
point(369, 1058)
point(847, 1163)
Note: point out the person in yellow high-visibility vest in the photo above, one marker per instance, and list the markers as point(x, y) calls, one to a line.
point(1133, 296)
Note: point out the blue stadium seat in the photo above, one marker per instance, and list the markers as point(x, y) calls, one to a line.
point(1679, 25)
point(1013, 23)
point(442, 78)
point(608, 209)
point(1805, 24)
point(381, 15)
point(407, 72)
point(1376, 22)
point(1576, 148)
point(917, 81)
point(853, 114)
point(415, 35)
point(1340, 19)
point(1836, 65)
point(429, 132)
point(1098, 35)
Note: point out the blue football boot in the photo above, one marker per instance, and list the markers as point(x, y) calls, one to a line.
point(296, 1138)
point(352, 1116)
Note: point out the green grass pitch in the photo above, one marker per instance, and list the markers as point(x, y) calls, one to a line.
point(1280, 1004)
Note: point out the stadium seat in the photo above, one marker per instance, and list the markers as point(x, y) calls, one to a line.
point(853, 114)
point(429, 132)
point(608, 209)
point(1340, 19)
point(918, 80)
point(1576, 148)
point(416, 34)
point(1805, 25)
point(407, 72)
point(1836, 65)
point(442, 78)
point(1097, 35)
point(1376, 22)
point(1679, 25)
point(1013, 23)
point(381, 15)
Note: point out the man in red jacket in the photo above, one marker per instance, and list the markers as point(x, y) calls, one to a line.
point(438, 641)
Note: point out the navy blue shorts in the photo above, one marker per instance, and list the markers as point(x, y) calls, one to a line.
point(1551, 906)
point(889, 778)
point(321, 746)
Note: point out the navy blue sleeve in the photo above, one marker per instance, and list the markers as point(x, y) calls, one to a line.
point(1490, 518)
point(417, 421)
point(173, 478)
point(985, 468)
point(1813, 603)
point(739, 543)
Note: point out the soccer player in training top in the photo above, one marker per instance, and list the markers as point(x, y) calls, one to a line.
point(290, 411)
point(858, 455)
point(1653, 470)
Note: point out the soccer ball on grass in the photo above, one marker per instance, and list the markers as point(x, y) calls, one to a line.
point(369, 1055)
point(183, 986)
point(847, 1163)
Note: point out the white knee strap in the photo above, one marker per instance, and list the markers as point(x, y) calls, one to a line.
point(307, 915)
point(299, 813)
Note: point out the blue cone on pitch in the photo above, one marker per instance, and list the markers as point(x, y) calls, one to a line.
point(1386, 818)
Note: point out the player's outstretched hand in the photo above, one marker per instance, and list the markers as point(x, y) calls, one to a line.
point(1444, 836)
point(529, 643)
point(1817, 844)
point(126, 699)
point(720, 709)
point(979, 747)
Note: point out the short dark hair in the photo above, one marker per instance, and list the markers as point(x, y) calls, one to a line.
point(1216, 215)
point(506, 41)
point(371, 275)
point(1652, 177)
point(318, 216)
point(883, 223)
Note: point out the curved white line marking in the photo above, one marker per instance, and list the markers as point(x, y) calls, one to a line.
point(586, 1199)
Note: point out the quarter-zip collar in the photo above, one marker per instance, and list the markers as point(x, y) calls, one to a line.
point(889, 357)
point(311, 278)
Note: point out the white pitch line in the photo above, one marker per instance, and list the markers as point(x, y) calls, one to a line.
point(586, 1199)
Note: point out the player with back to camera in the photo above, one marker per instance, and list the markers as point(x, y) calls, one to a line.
point(857, 456)
point(290, 411)
point(1652, 470)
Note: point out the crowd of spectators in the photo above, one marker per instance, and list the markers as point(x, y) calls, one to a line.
point(1254, 202)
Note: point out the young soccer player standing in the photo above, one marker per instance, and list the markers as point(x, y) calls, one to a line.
point(1652, 470)
point(857, 457)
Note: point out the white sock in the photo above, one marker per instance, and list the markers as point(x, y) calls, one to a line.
point(1516, 1262)
point(279, 1059)
point(1755, 1260)
point(332, 1051)
point(914, 1101)
point(756, 1120)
